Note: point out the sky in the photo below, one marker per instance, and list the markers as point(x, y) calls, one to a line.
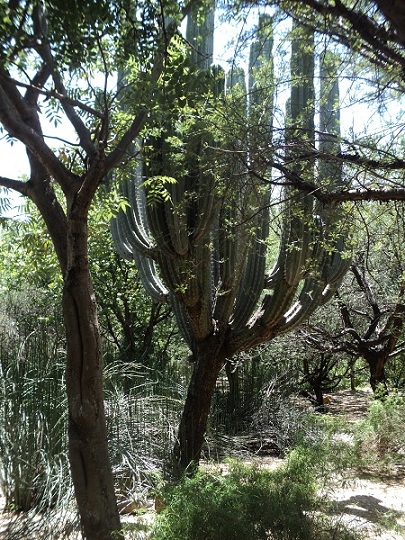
point(360, 119)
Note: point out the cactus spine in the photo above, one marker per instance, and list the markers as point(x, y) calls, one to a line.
point(204, 247)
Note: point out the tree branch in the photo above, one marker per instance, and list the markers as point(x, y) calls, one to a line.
point(82, 131)
point(365, 287)
point(56, 95)
point(133, 131)
point(15, 115)
point(16, 185)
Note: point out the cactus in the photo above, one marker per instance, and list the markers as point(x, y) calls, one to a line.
point(204, 247)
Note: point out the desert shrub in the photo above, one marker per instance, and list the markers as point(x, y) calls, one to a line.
point(380, 438)
point(280, 421)
point(142, 418)
point(247, 502)
point(33, 462)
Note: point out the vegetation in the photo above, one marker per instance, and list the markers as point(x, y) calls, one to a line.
point(242, 502)
point(382, 434)
point(204, 245)
point(230, 181)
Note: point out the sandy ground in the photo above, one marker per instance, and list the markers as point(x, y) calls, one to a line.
point(366, 504)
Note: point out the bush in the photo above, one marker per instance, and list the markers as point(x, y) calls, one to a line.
point(33, 460)
point(380, 438)
point(247, 502)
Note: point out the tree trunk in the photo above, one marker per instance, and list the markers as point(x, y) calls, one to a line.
point(88, 449)
point(317, 387)
point(376, 363)
point(194, 420)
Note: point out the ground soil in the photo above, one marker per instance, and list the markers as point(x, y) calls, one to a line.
point(372, 502)
point(373, 505)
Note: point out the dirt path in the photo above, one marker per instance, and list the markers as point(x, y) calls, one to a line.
point(373, 506)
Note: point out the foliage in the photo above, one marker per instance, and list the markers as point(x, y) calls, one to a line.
point(141, 429)
point(380, 438)
point(22, 266)
point(247, 501)
point(33, 460)
point(365, 319)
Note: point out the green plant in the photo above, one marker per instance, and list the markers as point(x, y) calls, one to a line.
point(380, 438)
point(33, 461)
point(247, 502)
point(203, 246)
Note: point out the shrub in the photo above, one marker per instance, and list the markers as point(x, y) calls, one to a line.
point(380, 438)
point(247, 502)
point(33, 461)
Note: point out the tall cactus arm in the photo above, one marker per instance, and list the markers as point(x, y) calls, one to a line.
point(227, 259)
point(261, 96)
point(328, 253)
point(330, 170)
point(176, 216)
point(231, 246)
point(136, 197)
point(182, 322)
point(275, 304)
point(127, 238)
point(302, 124)
point(203, 210)
point(150, 278)
point(123, 247)
point(310, 298)
point(252, 280)
point(256, 195)
point(129, 227)
point(171, 271)
point(298, 208)
point(157, 166)
point(201, 38)
point(297, 243)
point(337, 231)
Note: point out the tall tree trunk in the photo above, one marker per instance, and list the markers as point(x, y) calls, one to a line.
point(376, 363)
point(88, 449)
point(194, 420)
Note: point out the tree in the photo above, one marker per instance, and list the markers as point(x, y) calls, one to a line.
point(48, 55)
point(370, 302)
point(202, 242)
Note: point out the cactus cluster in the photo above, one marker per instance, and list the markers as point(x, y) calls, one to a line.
point(204, 247)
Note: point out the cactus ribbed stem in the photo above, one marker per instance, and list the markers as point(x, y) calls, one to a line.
point(209, 237)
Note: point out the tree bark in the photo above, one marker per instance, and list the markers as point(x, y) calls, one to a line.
point(194, 420)
point(376, 363)
point(88, 449)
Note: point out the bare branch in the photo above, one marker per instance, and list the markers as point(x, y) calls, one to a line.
point(16, 185)
point(56, 95)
